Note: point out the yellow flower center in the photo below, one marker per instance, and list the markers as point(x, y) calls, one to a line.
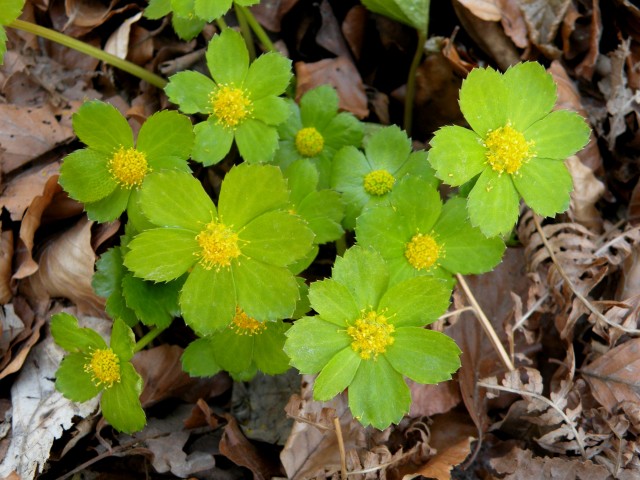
point(309, 142)
point(243, 324)
point(371, 335)
point(507, 149)
point(231, 105)
point(422, 251)
point(218, 246)
point(128, 167)
point(378, 182)
point(104, 367)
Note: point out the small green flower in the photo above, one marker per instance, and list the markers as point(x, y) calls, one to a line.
point(368, 335)
point(367, 179)
point(315, 130)
point(516, 146)
point(235, 255)
point(417, 235)
point(243, 348)
point(242, 101)
point(9, 11)
point(92, 367)
point(106, 176)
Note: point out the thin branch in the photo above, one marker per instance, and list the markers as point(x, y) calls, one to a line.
point(343, 455)
point(455, 312)
point(530, 312)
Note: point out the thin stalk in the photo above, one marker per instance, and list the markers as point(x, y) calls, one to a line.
point(148, 338)
point(246, 31)
point(256, 27)
point(94, 52)
point(410, 93)
point(222, 25)
point(343, 455)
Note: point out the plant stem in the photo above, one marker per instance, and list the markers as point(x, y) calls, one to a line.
point(256, 27)
point(222, 25)
point(410, 93)
point(90, 50)
point(246, 31)
point(148, 338)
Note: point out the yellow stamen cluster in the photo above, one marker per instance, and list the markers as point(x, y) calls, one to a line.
point(128, 167)
point(422, 251)
point(231, 105)
point(243, 324)
point(309, 142)
point(378, 182)
point(218, 246)
point(104, 367)
point(507, 149)
point(371, 335)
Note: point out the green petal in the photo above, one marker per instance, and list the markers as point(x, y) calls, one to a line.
point(423, 355)
point(269, 74)
point(10, 10)
point(166, 133)
point(483, 100)
point(271, 110)
point(364, 273)
point(400, 269)
point(71, 337)
point(493, 203)
point(199, 359)
point(318, 107)
point(388, 149)
point(210, 10)
point(153, 303)
point(545, 186)
point(212, 142)
point(234, 352)
point(208, 299)
point(378, 395)
point(110, 207)
point(312, 342)
point(417, 164)
point(157, 9)
point(343, 129)
point(249, 191)
point(190, 91)
point(176, 199)
point(122, 340)
point(121, 403)
point(531, 94)
point(85, 175)
point(559, 135)
point(102, 127)
point(323, 211)
point(350, 167)
point(277, 238)
point(336, 375)
point(72, 381)
point(228, 58)
point(187, 28)
point(457, 155)
point(136, 219)
point(267, 349)
point(334, 302)
point(418, 203)
point(381, 229)
point(302, 178)
point(417, 301)
point(257, 142)
point(162, 254)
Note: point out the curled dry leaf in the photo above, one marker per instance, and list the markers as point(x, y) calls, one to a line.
point(488, 10)
point(6, 254)
point(270, 12)
point(587, 190)
point(543, 18)
point(23, 339)
point(429, 400)
point(513, 23)
point(118, 43)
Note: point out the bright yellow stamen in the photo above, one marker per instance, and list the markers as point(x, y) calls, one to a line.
point(422, 251)
point(309, 142)
point(104, 367)
point(128, 167)
point(243, 324)
point(231, 105)
point(371, 335)
point(218, 246)
point(378, 182)
point(507, 149)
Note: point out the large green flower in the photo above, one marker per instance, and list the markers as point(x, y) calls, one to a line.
point(516, 146)
point(242, 101)
point(235, 255)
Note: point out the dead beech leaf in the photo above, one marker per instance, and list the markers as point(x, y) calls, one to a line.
point(429, 400)
point(85, 13)
point(270, 12)
point(513, 23)
point(6, 254)
point(353, 28)
point(488, 10)
point(330, 35)
point(543, 17)
point(587, 190)
point(118, 43)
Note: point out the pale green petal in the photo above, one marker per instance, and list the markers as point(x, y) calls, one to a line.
point(228, 58)
point(102, 127)
point(210, 10)
point(212, 142)
point(257, 142)
point(558, 135)
point(334, 302)
point(191, 91)
point(110, 207)
point(531, 94)
point(166, 133)
point(417, 301)
point(364, 273)
point(318, 107)
point(483, 100)
point(388, 149)
point(336, 375)
point(545, 186)
point(457, 154)
point(493, 203)
point(85, 175)
point(269, 74)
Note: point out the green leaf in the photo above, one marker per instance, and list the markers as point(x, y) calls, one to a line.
point(71, 337)
point(483, 100)
point(228, 58)
point(210, 10)
point(423, 355)
point(302, 178)
point(378, 395)
point(72, 381)
point(153, 303)
point(323, 211)
point(267, 349)
point(257, 142)
point(381, 229)
point(392, 9)
point(559, 135)
point(102, 127)
point(364, 273)
point(269, 74)
point(187, 28)
point(334, 302)
point(234, 352)
point(166, 133)
point(531, 94)
point(162, 254)
point(545, 186)
point(318, 107)
point(388, 149)
point(421, 217)
point(343, 129)
point(199, 359)
point(271, 110)
point(493, 203)
point(10, 10)
point(122, 340)
point(336, 375)
point(183, 8)
point(157, 9)
point(312, 342)
point(85, 175)
point(417, 301)
point(190, 91)
point(349, 169)
point(457, 155)
point(107, 282)
point(121, 403)
point(212, 142)
point(110, 207)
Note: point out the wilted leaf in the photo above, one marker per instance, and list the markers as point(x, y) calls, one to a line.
point(270, 12)
point(22, 339)
point(118, 43)
point(429, 400)
point(587, 190)
point(20, 192)
point(6, 254)
point(543, 17)
point(489, 10)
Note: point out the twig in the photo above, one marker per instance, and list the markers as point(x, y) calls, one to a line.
point(410, 92)
point(455, 312)
point(343, 455)
point(533, 308)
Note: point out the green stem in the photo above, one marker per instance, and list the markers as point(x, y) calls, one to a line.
point(411, 83)
point(222, 25)
point(256, 27)
point(341, 245)
point(94, 52)
point(246, 31)
point(148, 338)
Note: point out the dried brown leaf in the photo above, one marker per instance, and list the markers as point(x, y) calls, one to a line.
point(353, 28)
point(489, 10)
point(513, 23)
point(330, 35)
point(6, 254)
point(270, 12)
point(118, 43)
point(587, 190)
point(429, 400)
point(543, 18)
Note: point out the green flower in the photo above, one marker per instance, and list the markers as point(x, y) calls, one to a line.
point(516, 146)
point(92, 367)
point(417, 235)
point(244, 347)
point(242, 101)
point(9, 11)
point(366, 179)
point(368, 335)
point(107, 175)
point(235, 255)
point(316, 131)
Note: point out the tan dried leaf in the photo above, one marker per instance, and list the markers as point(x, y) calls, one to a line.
point(488, 10)
point(118, 43)
point(587, 190)
point(6, 254)
point(22, 189)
